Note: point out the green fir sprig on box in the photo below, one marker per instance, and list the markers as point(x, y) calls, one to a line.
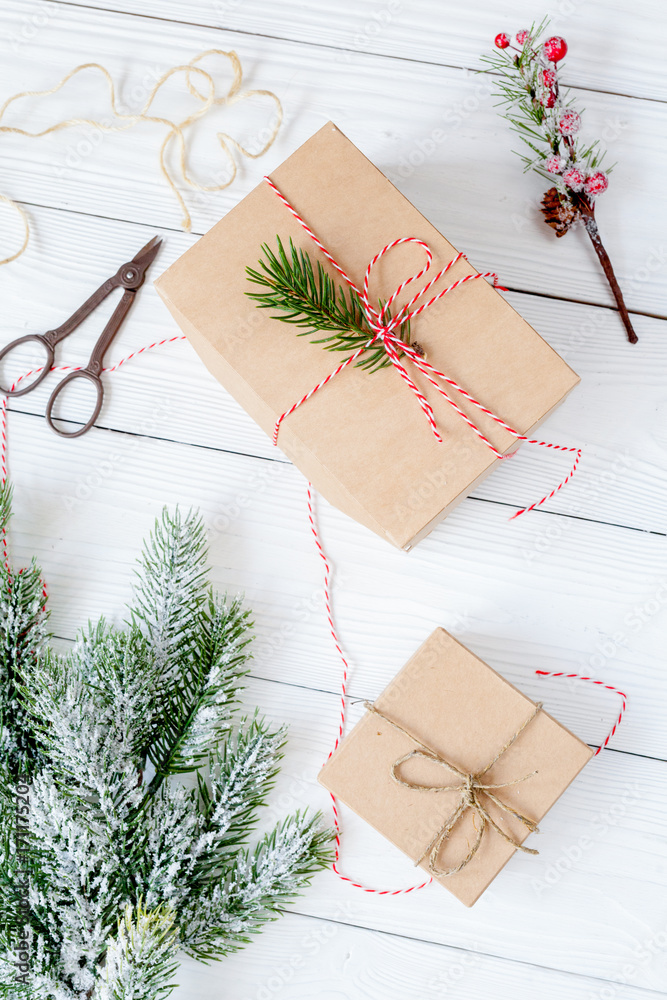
point(548, 124)
point(308, 297)
point(144, 786)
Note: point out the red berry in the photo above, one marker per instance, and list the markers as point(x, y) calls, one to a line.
point(555, 48)
point(574, 178)
point(502, 40)
point(522, 36)
point(569, 123)
point(596, 183)
point(548, 77)
point(554, 163)
point(550, 100)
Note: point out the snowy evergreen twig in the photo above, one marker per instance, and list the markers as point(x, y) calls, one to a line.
point(140, 958)
point(127, 860)
point(544, 118)
point(22, 639)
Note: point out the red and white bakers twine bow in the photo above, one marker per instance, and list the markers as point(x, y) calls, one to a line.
point(343, 710)
point(387, 332)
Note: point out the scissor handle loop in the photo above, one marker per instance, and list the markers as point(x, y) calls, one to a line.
point(41, 374)
point(97, 382)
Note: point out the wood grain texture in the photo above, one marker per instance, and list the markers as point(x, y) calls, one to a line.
point(581, 586)
point(303, 957)
point(600, 57)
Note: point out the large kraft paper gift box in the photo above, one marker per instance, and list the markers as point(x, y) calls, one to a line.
point(449, 701)
point(363, 440)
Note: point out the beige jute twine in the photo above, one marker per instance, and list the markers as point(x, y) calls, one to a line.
point(204, 90)
point(470, 787)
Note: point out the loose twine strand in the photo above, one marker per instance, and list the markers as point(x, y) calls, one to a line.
point(204, 91)
point(4, 440)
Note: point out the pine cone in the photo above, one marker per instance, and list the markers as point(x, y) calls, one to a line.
point(558, 213)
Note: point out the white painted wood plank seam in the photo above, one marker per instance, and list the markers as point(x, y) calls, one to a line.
point(332, 46)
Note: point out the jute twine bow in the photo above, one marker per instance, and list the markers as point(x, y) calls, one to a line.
point(204, 90)
point(470, 788)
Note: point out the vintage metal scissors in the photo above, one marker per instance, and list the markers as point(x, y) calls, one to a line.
point(129, 277)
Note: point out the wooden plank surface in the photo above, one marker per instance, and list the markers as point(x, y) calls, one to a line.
point(302, 958)
point(580, 586)
point(600, 57)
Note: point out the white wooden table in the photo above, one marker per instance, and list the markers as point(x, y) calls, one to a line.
point(579, 586)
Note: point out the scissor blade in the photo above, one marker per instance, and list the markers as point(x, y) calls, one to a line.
point(147, 254)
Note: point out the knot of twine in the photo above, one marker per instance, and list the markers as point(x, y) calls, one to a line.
point(387, 328)
point(471, 787)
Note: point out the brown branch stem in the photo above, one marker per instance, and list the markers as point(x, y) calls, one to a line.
point(587, 213)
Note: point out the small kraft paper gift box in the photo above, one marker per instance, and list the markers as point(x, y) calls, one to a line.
point(454, 766)
point(396, 447)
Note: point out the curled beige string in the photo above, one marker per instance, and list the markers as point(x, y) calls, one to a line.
point(470, 788)
point(23, 215)
point(205, 92)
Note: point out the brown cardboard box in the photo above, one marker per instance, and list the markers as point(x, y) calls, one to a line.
point(363, 440)
point(459, 707)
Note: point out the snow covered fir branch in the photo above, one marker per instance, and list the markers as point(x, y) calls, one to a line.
point(549, 125)
point(143, 786)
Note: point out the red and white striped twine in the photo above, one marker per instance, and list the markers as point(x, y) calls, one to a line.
point(607, 687)
point(386, 331)
point(343, 708)
point(54, 368)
